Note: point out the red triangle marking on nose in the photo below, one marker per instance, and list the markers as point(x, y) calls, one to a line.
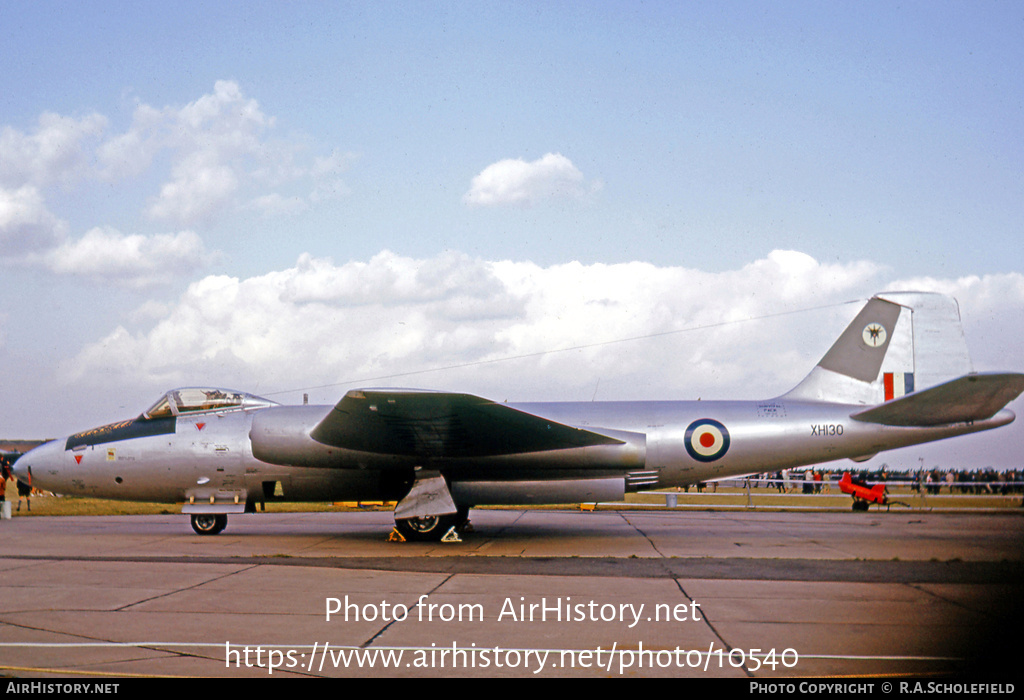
point(200, 426)
point(78, 459)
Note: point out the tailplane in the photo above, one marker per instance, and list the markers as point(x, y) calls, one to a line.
point(971, 398)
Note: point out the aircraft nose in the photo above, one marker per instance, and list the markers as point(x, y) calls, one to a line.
point(40, 457)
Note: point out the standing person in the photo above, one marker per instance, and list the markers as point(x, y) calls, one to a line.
point(4, 474)
point(24, 491)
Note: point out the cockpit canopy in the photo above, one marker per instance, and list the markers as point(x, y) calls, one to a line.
point(203, 399)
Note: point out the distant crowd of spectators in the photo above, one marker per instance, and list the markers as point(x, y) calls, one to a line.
point(935, 481)
point(977, 482)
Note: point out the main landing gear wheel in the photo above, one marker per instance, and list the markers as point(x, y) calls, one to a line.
point(860, 506)
point(208, 524)
point(429, 529)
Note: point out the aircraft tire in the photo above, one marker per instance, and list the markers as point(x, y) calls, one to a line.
point(430, 529)
point(861, 505)
point(207, 524)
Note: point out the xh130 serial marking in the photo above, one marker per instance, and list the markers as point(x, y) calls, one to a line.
point(898, 375)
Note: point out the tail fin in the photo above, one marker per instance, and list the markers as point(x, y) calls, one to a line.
point(898, 343)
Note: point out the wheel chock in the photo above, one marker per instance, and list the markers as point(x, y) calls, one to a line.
point(451, 535)
point(395, 536)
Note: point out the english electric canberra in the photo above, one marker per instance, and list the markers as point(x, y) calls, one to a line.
point(898, 375)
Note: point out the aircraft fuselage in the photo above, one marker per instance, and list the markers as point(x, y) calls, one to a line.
point(235, 456)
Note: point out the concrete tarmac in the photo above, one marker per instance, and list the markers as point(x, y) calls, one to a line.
point(529, 593)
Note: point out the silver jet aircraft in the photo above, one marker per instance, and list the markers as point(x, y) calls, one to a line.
point(898, 375)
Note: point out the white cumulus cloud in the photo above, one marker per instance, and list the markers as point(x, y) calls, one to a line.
point(520, 331)
point(377, 321)
point(201, 183)
point(217, 140)
point(131, 260)
point(224, 156)
point(220, 149)
point(56, 151)
point(219, 154)
point(515, 181)
point(26, 226)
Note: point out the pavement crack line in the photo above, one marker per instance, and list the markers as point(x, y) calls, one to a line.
point(642, 534)
point(93, 641)
point(384, 629)
point(511, 525)
point(129, 606)
point(923, 588)
point(705, 618)
point(707, 621)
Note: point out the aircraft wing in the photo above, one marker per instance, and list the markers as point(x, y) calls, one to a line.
point(10, 450)
point(438, 425)
point(19, 447)
point(969, 398)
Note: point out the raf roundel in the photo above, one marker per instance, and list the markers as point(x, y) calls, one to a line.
point(706, 440)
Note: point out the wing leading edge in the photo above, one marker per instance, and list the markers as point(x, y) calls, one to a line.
point(436, 425)
point(973, 397)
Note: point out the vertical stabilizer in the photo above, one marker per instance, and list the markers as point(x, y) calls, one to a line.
point(860, 350)
point(900, 342)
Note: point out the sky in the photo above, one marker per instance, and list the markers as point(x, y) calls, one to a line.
point(526, 201)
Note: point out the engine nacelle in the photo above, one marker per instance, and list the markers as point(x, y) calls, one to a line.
point(280, 436)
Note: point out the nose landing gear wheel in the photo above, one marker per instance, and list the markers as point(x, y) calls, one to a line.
point(208, 524)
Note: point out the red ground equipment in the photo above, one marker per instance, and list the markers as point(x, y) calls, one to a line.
point(863, 494)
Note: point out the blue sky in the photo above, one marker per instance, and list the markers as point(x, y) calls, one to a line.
point(156, 160)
